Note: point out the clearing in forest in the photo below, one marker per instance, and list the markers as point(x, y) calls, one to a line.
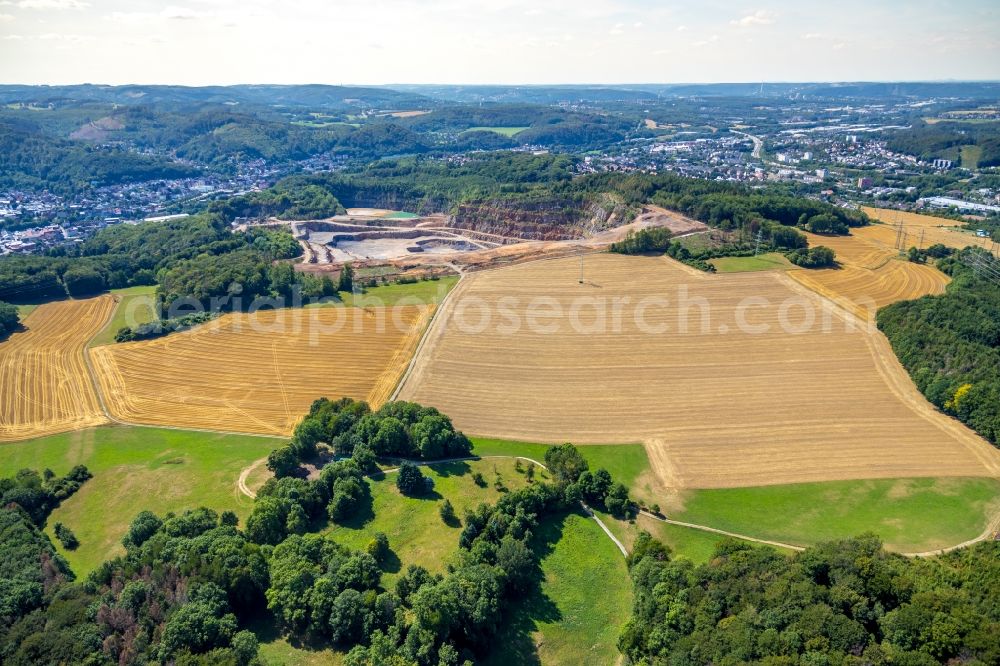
point(45, 387)
point(723, 376)
point(258, 373)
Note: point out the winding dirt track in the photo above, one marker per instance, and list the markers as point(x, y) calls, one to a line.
point(259, 373)
point(45, 387)
point(717, 406)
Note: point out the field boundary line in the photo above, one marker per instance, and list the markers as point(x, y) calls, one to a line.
point(91, 373)
point(428, 332)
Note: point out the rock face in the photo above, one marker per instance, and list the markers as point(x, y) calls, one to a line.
point(548, 219)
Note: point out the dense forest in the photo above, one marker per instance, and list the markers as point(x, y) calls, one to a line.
point(846, 602)
point(950, 344)
point(189, 583)
point(941, 140)
point(191, 258)
point(32, 161)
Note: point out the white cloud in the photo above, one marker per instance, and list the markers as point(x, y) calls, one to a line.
point(180, 13)
point(46, 4)
point(759, 17)
point(681, 28)
point(12, 38)
point(813, 35)
point(706, 42)
point(6, 18)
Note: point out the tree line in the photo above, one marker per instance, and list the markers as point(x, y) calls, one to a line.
point(198, 258)
point(950, 344)
point(10, 319)
point(844, 602)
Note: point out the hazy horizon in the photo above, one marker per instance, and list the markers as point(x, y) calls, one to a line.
point(498, 42)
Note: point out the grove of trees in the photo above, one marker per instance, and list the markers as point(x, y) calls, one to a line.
point(950, 344)
point(845, 602)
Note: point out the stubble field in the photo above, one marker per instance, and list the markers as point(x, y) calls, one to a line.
point(921, 230)
point(717, 406)
point(871, 275)
point(259, 373)
point(45, 387)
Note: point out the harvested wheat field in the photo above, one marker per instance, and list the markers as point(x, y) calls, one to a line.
point(45, 387)
point(720, 405)
point(921, 230)
point(871, 274)
point(259, 373)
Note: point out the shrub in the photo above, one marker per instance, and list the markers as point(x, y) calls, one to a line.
point(448, 513)
point(66, 536)
point(410, 481)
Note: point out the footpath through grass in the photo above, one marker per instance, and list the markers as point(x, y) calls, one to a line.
point(136, 306)
point(136, 468)
point(909, 515)
point(583, 601)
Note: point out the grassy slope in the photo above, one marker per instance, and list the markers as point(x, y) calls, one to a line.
point(908, 514)
point(416, 533)
point(970, 156)
point(506, 131)
point(626, 462)
point(423, 291)
point(135, 307)
point(25, 310)
point(764, 262)
point(134, 469)
point(629, 465)
point(584, 599)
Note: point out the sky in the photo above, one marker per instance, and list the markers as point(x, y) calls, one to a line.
point(205, 42)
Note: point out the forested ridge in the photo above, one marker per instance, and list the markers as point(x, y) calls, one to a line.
point(33, 161)
point(940, 140)
point(846, 602)
point(950, 344)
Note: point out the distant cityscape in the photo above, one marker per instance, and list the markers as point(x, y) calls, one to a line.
point(839, 154)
